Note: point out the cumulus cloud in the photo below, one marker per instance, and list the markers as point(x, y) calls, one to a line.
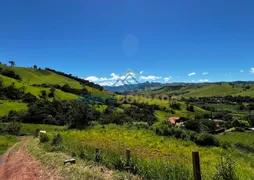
point(192, 74)
point(166, 79)
point(204, 73)
point(241, 71)
point(204, 80)
point(114, 76)
point(141, 72)
point(252, 70)
point(107, 83)
point(94, 78)
point(149, 78)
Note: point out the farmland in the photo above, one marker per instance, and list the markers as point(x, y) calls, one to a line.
point(159, 149)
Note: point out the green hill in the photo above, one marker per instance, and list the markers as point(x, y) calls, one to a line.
point(207, 90)
point(31, 77)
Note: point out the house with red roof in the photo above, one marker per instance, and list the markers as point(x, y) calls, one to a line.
point(173, 120)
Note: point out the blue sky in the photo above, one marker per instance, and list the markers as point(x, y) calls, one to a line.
point(100, 39)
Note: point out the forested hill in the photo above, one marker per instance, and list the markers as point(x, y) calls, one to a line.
point(20, 85)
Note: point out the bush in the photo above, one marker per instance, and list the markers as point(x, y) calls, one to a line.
point(225, 170)
point(245, 147)
point(29, 98)
point(239, 129)
point(205, 139)
point(225, 145)
point(36, 133)
point(193, 125)
point(141, 125)
point(14, 128)
point(43, 137)
point(57, 140)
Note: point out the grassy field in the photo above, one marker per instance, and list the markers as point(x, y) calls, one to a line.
point(32, 76)
point(145, 144)
point(246, 138)
point(6, 141)
point(208, 90)
point(6, 106)
point(29, 129)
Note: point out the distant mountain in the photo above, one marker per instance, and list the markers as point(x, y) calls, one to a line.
point(242, 88)
point(134, 88)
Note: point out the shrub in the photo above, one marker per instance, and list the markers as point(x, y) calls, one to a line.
point(57, 140)
point(141, 125)
point(225, 144)
point(239, 129)
point(29, 98)
point(225, 170)
point(193, 125)
point(14, 128)
point(245, 147)
point(43, 137)
point(36, 133)
point(205, 139)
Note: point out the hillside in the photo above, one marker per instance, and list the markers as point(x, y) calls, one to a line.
point(33, 81)
point(206, 90)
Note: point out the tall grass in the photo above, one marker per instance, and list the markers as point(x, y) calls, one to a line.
point(154, 157)
point(6, 141)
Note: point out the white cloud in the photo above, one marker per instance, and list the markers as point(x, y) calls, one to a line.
point(151, 78)
point(107, 83)
point(192, 74)
point(241, 71)
point(114, 76)
point(204, 73)
point(252, 70)
point(166, 79)
point(204, 80)
point(94, 79)
point(141, 72)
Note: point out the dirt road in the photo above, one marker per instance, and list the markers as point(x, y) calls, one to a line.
point(19, 165)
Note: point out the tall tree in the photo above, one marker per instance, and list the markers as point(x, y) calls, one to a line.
point(12, 63)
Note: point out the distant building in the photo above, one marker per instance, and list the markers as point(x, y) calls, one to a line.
point(173, 120)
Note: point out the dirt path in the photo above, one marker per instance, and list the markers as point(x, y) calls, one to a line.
point(20, 165)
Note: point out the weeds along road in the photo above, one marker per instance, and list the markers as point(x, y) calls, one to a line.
point(17, 164)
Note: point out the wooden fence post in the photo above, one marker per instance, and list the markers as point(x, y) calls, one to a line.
point(196, 165)
point(97, 155)
point(128, 157)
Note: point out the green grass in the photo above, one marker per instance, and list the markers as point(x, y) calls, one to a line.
point(6, 141)
point(32, 76)
point(81, 170)
point(145, 144)
point(246, 138)
point(6, 106)
point(29, 129)
point(207, 90)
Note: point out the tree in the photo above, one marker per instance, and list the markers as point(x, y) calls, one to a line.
point(35, 66)
point(52, 92)
point(12, 63)
point(190, 108)
point(1, 83)
point(241, 123)
point(29, 98)
point(43, 94)
point(193, 125)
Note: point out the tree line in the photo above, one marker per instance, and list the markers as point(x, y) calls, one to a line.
point(82, 81)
